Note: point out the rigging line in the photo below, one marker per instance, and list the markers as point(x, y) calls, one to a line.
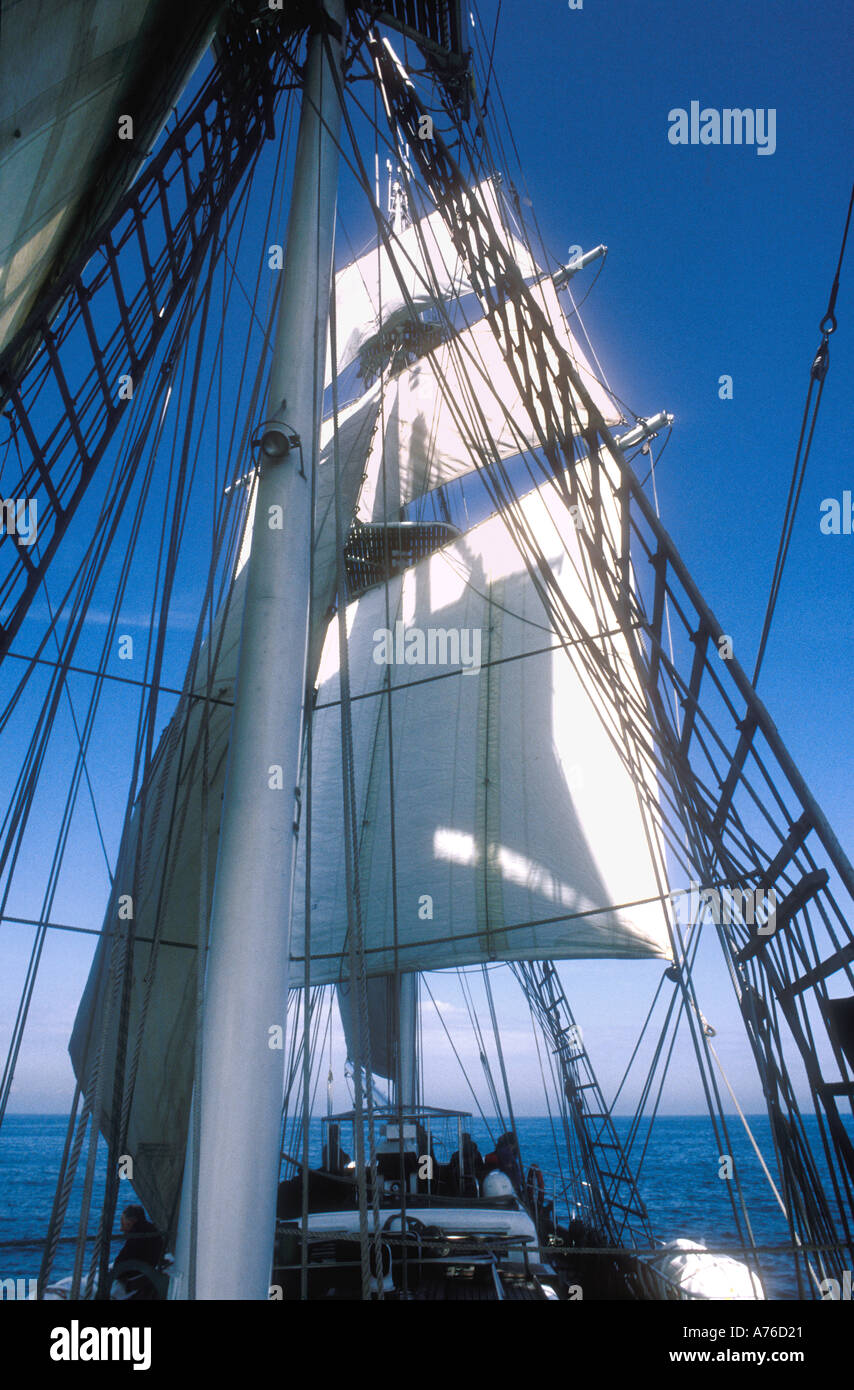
point(505, 161)
point(677, 996)
point(749, 1132)
point(602, 379)
point(651, 474)
point(404, 1047)
point(462, 1066)
point(481, 1044)
point(307, 809)
point(576, 312)
point(559, 646)
point(123, 1086)
point(630, 1062)
point(536, 1033)
point(361, 1033)
point(109, 676)
point(651, 470)
point(818, 373)
point(500, 1050)
point(225, 509)
point(701, 1049)
point(62, 1192)
point(485, 102)
point(20, 817)
point(519, 926)
point(125, 468)
point(79, 740)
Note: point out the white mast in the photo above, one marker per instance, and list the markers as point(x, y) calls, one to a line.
point(408, 1021)
point(241, 1089)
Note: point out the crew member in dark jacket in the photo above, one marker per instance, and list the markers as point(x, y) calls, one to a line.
point(144, 1245)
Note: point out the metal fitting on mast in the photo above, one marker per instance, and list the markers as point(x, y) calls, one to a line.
point(566, 272)
point(645, 429)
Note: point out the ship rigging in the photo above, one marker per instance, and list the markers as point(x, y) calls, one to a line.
point(419, 437)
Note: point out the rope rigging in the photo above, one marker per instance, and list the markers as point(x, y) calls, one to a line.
point(818, 374)
point(627, 725)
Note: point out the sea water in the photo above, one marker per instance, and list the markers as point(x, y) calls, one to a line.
point(680, 1181)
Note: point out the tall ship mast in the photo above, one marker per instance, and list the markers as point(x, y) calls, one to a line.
point(448, 704)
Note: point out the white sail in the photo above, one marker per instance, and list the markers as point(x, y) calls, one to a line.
point(369, 292)
point(458, 406)
point(519, 829)
point(66, 73)
point(166, 891)
point(381, 1021)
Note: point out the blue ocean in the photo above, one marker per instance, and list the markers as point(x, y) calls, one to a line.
point(679, 1180)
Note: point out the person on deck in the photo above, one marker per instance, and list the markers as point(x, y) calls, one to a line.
point(467, 1167)
point(506, 1158)
point(143, 1245)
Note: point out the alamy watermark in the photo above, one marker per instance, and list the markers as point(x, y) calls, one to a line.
point(837, 518)
point(19, 517)
point(753, 906)
point(435, 646)
point(22, 1290)
point(729, 126)
point(76, 1343)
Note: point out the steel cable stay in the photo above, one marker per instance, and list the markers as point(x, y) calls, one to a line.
point(482, 1049)
point(818, 374)
point(484, 1117)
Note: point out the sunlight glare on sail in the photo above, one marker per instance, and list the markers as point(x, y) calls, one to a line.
point(454, 846)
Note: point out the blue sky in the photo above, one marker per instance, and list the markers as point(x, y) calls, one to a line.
point(720, 262)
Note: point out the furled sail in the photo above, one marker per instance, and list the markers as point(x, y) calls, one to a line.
point(383, 1023)
point(524, 834)
point(369, 294)
point(456, 406)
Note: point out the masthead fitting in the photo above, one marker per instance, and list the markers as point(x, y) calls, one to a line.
point(566, 272)
point(645, 429)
